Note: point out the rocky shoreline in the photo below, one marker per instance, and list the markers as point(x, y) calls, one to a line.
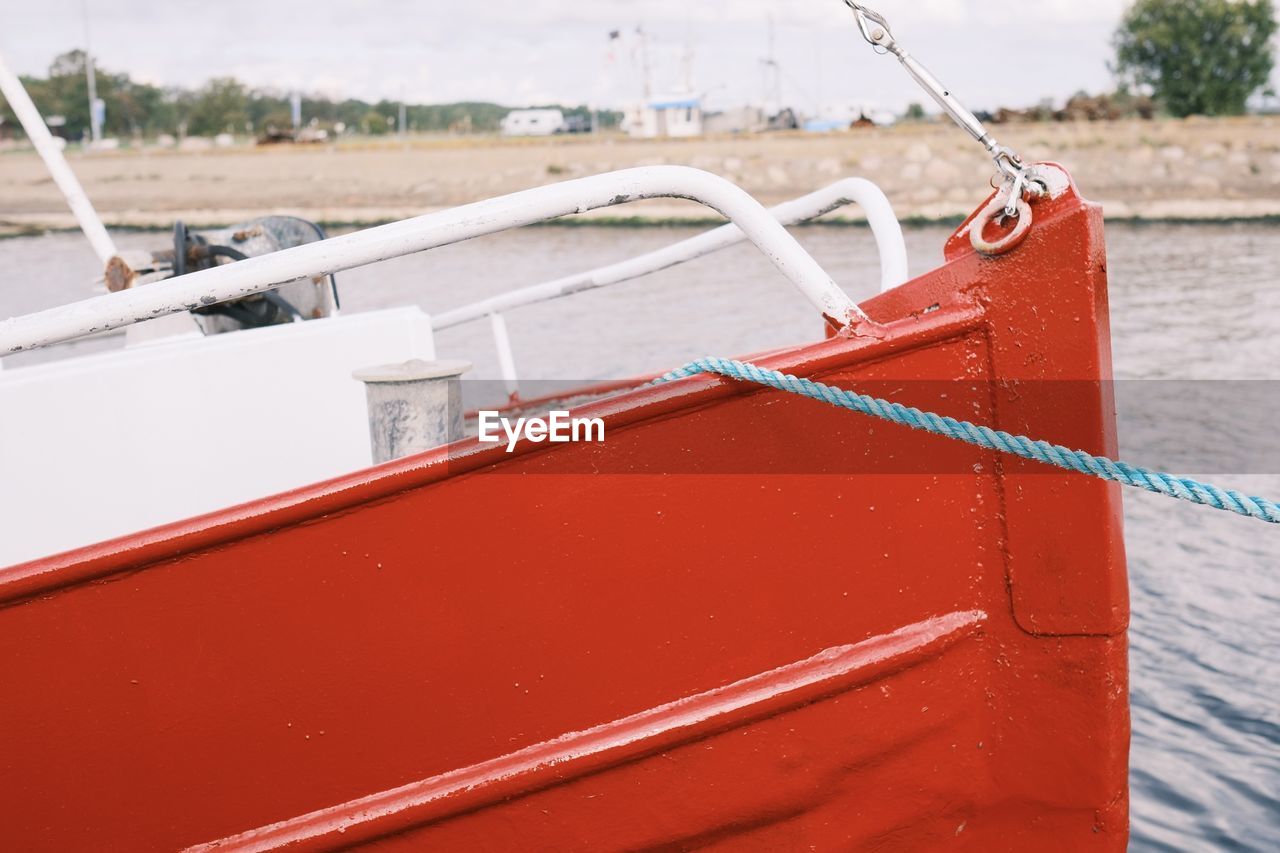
point(1192, 170)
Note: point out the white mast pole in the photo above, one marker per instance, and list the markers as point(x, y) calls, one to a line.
point(95, 124)
point(62, 175)
point(644, 64)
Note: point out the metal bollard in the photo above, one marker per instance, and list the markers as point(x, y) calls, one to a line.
point(413, 406)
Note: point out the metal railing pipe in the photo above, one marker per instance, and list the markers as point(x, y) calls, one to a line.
point(884, 224)
point(506, 357)
point(232, 281)
point(38, 133)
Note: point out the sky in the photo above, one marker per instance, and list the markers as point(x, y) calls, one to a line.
point(522, 52)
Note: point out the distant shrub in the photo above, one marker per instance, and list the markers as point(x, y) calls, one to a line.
point(1199, 57)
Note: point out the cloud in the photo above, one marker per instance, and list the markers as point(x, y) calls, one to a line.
point(991, 51)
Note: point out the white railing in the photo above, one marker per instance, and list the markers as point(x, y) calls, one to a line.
point(880, 216)
point(884, 224)
point(11, 87)
point(232, 281)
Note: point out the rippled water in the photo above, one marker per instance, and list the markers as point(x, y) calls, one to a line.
point(1188, 302)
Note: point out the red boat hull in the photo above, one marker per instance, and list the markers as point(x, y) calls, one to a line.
point(745, 620)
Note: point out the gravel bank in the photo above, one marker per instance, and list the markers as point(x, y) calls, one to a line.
point(1162, 170)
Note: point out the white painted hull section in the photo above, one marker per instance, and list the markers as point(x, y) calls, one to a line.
point(106, 445)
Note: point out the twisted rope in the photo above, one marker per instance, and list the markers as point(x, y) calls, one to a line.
point(1181, 488)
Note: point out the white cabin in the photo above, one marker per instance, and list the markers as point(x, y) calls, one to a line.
point(533, 123)
point(679, 116)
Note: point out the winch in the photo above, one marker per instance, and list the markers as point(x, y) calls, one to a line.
point(304, 299)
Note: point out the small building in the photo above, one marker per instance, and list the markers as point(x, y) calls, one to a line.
point(679, 116)
point(737, 120)
point(533, 123)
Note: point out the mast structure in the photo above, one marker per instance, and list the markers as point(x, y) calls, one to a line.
point(95, 106)
point(772, 73)
point(645, 70)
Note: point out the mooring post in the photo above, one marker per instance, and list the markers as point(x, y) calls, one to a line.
point(413, 406)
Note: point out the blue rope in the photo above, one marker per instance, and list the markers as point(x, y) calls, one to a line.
point(990, 439)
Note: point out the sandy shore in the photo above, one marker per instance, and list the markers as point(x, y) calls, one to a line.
point(1164, 170)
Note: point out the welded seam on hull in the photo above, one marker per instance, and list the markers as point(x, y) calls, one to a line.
point(1002, 517)
point(576, 754)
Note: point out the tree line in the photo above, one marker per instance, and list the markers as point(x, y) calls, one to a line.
point(226, 105)
point(1194, 57)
